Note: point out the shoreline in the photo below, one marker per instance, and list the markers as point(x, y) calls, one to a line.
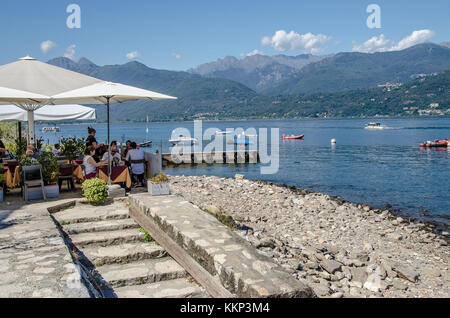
point(338, 248)
point(432, 226)
point(251, 119)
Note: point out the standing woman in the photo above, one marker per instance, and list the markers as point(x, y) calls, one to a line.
point(91, 141)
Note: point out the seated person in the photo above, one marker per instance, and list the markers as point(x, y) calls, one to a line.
point(116, 158)
point(136, 158)
point(3, 152)
point(31, 152)
point(126, 149)
point(90, 165)
point(57, 150)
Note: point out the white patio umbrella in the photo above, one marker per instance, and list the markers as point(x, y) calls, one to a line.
point(34, 77)
point(9, 95)
point(48, 113)
point(106, 93)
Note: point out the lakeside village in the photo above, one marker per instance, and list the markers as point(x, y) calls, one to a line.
point(123, 228)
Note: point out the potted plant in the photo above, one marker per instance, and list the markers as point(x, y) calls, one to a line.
point(50, 173)
point(95, 191)
point(158, 185)
point(72, 147)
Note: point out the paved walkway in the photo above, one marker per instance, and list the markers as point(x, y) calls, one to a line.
point(34, 260)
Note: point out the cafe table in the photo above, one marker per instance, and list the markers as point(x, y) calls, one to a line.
point(118, 174)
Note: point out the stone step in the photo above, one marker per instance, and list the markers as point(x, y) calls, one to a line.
point(107, 238)
point(81, 214)
point(100, 226)
point(176, 288)
point(123, 253)
point(140, 272)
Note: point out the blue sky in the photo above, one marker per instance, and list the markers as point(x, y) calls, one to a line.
point(179, 34)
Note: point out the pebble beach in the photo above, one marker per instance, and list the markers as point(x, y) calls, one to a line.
point(339, 249)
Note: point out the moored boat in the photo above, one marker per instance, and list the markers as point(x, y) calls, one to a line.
point(183, 140)
point(436, 144)
point(51, 129)
point(221, 132)
point(146, 144)
point(292, 137)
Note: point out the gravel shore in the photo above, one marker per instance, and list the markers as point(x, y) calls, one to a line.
point(339, 249)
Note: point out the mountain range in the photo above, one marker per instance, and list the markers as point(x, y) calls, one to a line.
point(221, 88)
point(258, 72)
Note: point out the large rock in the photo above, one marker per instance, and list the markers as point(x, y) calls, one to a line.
point(373, 283)
point(359, 275)
point(407, 273)
point(330, 266)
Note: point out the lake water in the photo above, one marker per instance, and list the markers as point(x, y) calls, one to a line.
point(374, 167)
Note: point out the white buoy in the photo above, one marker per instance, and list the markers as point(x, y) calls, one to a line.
point(333, 141)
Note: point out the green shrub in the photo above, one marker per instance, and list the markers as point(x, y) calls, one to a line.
point(95, 191)
point(50, 169)
point(160, 178)
point(18, 147)
point(29, 161)
point(72, 147)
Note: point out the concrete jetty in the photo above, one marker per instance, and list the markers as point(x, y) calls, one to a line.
point(186, 231)
point(220, 157)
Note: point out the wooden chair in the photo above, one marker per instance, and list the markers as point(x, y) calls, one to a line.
point(66, 174)
point(32, 177)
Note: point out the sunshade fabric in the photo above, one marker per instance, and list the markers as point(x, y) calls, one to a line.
point(99, 93)
point(9, 95)
point(48, 113)
point(34, 76)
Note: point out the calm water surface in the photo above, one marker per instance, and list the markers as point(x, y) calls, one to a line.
point(374, 167)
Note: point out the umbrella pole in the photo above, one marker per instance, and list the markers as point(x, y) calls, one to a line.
point(109, 143)
point(19, 124)
point(30, 114)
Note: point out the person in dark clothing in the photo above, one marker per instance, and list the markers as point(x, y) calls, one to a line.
point(91, 141)
point(2, 149)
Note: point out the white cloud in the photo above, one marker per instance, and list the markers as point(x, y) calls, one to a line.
point(47, 46)
point(374, 44)
point(70, 52)
point(414, 38)
point(178, 56)
point(382, 44)
point(133, 55)
point(255, 52)
point(292, 41)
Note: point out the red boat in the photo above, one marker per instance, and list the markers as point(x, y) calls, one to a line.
point(292, 137)
point(435, 144)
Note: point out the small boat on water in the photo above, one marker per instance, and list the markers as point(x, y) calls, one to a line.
point(222, 132)
point(436, 144)
point(183, 140)
point(50, 129)
point(292, 137)
point(375, 126)
point(146, 144)
point(238, 141)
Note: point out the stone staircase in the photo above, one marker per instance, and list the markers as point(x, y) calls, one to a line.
point(121, 261)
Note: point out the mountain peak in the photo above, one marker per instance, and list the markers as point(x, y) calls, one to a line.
point(85, 61)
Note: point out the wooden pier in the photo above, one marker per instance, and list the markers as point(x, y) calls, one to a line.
point(222, 157)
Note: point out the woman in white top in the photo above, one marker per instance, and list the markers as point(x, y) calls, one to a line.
point(90, 166)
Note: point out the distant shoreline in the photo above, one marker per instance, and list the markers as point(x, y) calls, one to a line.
point(244, 119)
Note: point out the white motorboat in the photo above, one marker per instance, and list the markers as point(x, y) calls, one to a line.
point(183, 140)
point(227, 132)
point(50, 129)
point(375, 126)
